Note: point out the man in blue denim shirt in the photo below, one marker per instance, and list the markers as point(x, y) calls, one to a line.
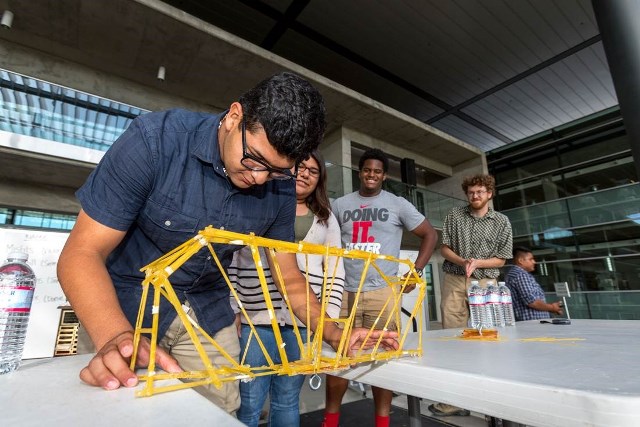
point(169, 175)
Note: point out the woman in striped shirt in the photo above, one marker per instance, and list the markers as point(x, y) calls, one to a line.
point(315, 223)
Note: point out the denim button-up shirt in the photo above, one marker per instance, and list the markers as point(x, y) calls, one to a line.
point(162, 181)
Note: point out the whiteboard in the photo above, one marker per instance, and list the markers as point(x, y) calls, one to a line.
point(409, 300)
point(44, 248)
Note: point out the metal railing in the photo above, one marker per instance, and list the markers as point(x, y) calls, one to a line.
point(615, 305)
point(596, 207)
point(434, 206)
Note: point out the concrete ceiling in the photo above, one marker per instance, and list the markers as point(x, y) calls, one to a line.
point(408, 73)
point(131, 38)
point(488, 72)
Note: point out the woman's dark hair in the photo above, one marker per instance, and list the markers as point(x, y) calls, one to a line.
point(318, 201)
point(374, 154)
point(291, 112)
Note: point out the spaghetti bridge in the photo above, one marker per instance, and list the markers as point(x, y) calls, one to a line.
point(313, 359)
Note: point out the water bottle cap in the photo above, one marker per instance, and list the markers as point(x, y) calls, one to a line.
point(20, 256)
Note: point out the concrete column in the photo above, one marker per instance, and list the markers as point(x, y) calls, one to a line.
point(620, 29)
point(336, 150)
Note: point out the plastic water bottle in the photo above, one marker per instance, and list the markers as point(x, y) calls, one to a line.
point(494, 308)
point(17, 284)
point(475, 295)
point(507, 305)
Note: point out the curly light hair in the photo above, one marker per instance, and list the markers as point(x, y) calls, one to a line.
point(486, 181)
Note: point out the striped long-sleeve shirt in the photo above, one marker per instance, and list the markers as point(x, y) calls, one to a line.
point(244, 276)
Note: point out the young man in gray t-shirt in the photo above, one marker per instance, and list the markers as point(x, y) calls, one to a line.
point(373, 220)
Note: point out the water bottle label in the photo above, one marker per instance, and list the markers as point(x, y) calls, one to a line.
point(493, 298)
point(476, 300)
point(16, 299)
point(506, 300)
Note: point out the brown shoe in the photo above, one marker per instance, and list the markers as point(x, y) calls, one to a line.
point(444, 410)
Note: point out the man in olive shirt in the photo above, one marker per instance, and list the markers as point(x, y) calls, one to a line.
point(476, 241)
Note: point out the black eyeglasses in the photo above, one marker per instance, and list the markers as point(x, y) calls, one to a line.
point(253, 163)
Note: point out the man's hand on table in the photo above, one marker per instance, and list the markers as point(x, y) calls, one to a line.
point(358, 335)
point(109, 368)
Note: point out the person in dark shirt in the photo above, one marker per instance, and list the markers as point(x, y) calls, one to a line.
point(169, 175)
point(528, 298)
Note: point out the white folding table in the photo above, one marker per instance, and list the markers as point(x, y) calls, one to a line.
point(49, 392)
point(586, 373)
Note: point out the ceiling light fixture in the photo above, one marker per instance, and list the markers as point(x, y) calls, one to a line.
point(7, 19)
point(161, 73)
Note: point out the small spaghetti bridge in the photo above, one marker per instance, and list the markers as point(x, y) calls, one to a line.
point(313, 359)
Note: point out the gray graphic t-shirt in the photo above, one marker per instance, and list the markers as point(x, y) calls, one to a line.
point(373, 224)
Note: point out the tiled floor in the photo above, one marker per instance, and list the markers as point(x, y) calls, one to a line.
point(312, 400)
point(475, 420)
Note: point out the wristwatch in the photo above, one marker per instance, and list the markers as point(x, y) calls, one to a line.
point(420, 272)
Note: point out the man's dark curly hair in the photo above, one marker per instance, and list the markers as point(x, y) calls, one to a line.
point(374, 154)
point(291, 112)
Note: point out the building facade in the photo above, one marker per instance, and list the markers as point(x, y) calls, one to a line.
point(573, 197)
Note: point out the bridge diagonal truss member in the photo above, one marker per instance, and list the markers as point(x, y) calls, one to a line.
point(314, 359)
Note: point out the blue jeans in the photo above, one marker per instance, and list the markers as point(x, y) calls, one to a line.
point(283, 390)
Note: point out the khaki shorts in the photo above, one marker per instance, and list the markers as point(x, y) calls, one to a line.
point(180, 346)
point(370, 306)
point(454, 305)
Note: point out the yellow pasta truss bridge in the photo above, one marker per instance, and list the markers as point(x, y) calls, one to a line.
point(313, 358)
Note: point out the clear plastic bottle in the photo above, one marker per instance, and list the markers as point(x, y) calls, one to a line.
point(507, 305)
point(475, 296)
point(17, 284)
point(494, 308)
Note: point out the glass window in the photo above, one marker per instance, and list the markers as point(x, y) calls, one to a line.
point(36, 108)
point(37, 219)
